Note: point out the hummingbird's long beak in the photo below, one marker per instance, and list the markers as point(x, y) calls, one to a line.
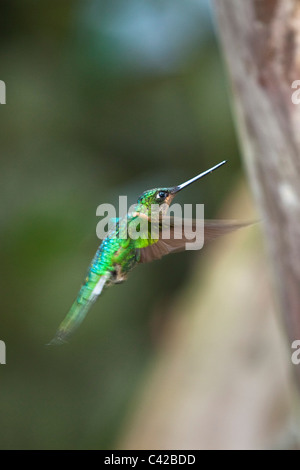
point(178, 188)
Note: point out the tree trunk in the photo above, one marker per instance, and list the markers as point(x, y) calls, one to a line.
point(221, 378)
point(261, 45)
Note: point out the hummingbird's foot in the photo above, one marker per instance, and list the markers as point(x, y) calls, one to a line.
point(117, 275)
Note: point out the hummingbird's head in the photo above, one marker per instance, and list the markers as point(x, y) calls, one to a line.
point(163, 197)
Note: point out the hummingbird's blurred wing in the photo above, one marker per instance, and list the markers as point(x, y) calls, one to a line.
point(177, 240)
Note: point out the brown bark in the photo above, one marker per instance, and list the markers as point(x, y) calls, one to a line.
point(221, 379)
point(261, 45)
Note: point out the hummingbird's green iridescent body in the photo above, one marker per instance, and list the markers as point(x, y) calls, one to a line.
point(117, 256)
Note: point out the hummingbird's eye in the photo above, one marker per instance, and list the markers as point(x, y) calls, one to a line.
point(162, 195)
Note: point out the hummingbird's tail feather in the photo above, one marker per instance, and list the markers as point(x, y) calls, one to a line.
point(78, 311)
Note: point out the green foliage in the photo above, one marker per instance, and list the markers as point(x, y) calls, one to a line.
point(85, 121)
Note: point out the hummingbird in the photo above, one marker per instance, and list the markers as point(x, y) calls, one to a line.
point(117, 256)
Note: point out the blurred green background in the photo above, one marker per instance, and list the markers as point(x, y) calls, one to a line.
point(103, 98)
